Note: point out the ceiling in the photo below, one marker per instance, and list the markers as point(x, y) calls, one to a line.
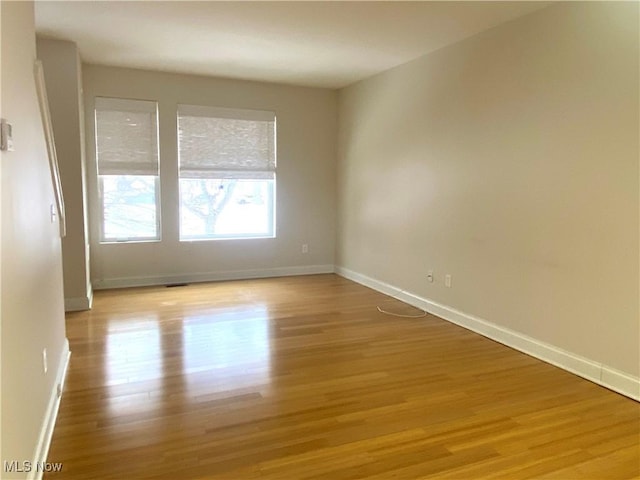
point(321, 44)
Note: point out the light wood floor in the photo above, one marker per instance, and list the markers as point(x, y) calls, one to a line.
point(302, 378)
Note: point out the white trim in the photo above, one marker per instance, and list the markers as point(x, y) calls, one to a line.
point(49, 420)
point(124, 282)
point(77, 304)
point(112, 104)
point(620, 382)
point(596, 372)
point(90, 295)
point(229, 113)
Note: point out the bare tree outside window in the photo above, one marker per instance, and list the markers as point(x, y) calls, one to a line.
point(225, 208)
point(227, 172)
point(206, 199)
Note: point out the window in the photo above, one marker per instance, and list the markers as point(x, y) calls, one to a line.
point(227, 169)
point(128, 169)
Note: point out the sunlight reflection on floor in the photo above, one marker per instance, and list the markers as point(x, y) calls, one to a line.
point(213, 351)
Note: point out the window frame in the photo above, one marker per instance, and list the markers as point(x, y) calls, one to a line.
point(232, 114)
point(102, 238)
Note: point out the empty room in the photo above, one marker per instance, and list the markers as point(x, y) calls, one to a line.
point(320, 240)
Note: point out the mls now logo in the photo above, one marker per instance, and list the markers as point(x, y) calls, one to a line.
point(26, 466)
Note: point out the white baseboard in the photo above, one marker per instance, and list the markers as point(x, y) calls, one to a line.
point(78, 304)
point(124, 282)
point(620, 382)
point(596, 372)
point(49, 421)
point(90, 295)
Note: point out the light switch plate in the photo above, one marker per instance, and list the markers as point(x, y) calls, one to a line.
point(6, 136)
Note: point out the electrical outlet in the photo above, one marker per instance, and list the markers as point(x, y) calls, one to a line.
point(430, 276)
point(45, 367)
point(447, 281)
point(305, 248)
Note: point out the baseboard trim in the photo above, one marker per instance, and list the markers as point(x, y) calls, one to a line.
point(620, 382)
point(596, 372)
point(125, 282)
point(77, 304)
point(90, 295)
point(49, 421)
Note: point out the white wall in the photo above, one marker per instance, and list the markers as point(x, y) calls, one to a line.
point(31, 262)
point(305, 181)
point(62, 69)
point(510, 161)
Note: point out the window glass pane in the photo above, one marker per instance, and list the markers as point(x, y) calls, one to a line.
point(225, 208)
point(129, 207)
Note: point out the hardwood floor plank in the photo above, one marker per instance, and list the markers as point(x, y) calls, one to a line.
point(303, 378)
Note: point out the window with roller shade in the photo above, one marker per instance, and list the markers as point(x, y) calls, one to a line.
point(227, 172)
point(128, 169)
